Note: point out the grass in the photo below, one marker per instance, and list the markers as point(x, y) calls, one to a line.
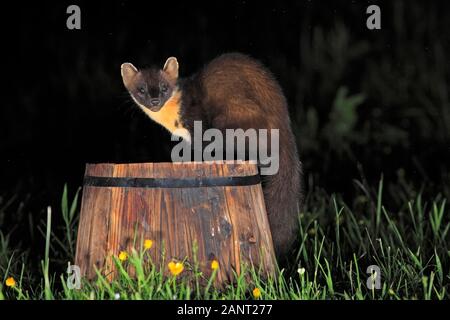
point(337, 243)
point(376, 98)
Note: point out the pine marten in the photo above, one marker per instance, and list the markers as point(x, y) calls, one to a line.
point(232, 91)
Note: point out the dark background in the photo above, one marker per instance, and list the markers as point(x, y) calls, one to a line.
point(363, 102)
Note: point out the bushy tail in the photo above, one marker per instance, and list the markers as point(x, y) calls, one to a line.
point(282, 194)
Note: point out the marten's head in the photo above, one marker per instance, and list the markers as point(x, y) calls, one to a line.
point(152, 87)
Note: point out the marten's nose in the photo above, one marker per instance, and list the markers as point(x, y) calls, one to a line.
point(154, 102)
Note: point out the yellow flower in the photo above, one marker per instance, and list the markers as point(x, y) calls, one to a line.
point(10, 282)
point(256, 293)
point(148, 244)
point(175, 267)
point(391, 292)
point(215, 264)
point(123, 256)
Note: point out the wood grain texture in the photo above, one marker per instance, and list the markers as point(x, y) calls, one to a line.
point(226, 223)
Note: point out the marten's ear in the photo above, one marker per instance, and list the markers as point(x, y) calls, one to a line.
point(171, 68)
point(128, 72)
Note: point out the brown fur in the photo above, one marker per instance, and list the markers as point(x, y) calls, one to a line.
point(235, 91)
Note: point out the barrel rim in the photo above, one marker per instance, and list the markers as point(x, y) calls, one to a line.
point(188, 182)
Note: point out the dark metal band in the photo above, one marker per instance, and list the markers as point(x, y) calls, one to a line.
point(171, 182)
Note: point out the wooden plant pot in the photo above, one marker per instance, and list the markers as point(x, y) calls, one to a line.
point(217, 207)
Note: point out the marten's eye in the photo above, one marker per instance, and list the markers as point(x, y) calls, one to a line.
point(141, 90)
point(164, 88)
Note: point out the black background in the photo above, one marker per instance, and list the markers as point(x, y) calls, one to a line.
point(64, 104)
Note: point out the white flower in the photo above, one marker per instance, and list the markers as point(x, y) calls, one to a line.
point(301, 271)
point(117, 296)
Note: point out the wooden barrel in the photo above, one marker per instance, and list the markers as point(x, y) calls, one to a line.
point(218, 207)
